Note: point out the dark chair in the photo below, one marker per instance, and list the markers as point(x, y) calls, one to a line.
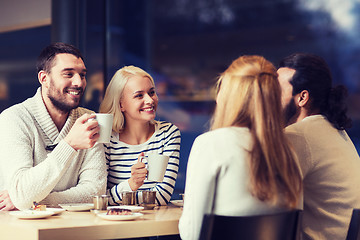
point(354, 227)
point(281, 226)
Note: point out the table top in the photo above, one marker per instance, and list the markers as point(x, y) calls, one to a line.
point(162, 220)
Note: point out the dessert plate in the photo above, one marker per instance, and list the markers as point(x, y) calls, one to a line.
point(178, 203)
point(31, 214)
point(132, 216)
point(56, 210)
point(76, 207)
point(130, 207)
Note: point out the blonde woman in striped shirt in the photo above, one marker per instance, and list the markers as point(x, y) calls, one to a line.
point(132, 99)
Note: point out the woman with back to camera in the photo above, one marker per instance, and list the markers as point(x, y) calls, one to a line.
point(132, 99)
point(258, 171)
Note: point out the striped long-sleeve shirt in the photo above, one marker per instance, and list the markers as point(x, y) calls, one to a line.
point(121, 157)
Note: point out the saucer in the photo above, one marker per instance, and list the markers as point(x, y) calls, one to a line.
point(76, 207)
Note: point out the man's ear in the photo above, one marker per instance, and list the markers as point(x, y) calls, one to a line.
point(303, 98)
point(42, 77)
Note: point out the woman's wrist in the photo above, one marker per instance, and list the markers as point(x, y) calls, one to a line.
point(133, 185)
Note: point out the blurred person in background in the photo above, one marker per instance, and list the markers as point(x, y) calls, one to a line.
point(94, 91)
point(132, 99)
point(316, 115)
point(246, 151)
point(4, 94)
point(48, 150)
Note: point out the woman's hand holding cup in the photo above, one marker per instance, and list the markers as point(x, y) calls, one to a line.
point(138, 174)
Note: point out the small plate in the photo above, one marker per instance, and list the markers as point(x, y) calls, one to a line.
point(76, 207)
point(130, 207)
point(120, 217)
point(56, 210)
point(31, 214)
point(178, 203)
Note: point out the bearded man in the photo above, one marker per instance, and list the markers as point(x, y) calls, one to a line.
point(48, 149)
point(330, 164)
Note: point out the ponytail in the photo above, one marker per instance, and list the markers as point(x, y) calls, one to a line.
point(336, 110)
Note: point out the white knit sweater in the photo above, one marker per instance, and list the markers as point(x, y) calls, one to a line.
point(224, 151)
point(31, 173)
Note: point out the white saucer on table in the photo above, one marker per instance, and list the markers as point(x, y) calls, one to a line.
point(132, 216)
point(56, 210)
point(178, 203)
point(31, 214)
point(129, 207)
point(76, 207)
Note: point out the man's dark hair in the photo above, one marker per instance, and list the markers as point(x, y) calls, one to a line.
point(47, 55)
point(313, 74)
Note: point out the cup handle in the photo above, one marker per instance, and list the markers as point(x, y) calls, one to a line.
point(141, 159)
point(146, 166)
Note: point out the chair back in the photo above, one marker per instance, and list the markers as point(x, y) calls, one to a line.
point(354, 226)
point(280, 226)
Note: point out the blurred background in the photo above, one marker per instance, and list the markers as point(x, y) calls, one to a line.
point(183, 44)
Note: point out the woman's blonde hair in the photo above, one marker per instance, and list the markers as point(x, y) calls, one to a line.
point(114, 93)
point(249, 95)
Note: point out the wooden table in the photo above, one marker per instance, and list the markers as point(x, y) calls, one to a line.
point(86, 225)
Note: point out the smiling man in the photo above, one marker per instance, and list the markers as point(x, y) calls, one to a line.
point(316, 115)
point(48, 149)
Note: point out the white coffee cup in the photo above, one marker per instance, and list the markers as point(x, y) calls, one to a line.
point(105, 122)
point(156, 167)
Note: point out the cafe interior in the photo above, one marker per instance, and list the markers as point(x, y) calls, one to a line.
point(184, 44)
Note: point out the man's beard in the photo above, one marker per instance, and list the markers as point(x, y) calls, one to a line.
point(61, 105)
point(59, 100)
point(290, 112)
